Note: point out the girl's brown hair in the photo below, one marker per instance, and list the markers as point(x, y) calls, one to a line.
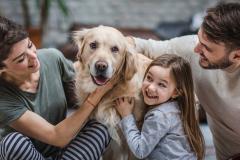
point(181, 71)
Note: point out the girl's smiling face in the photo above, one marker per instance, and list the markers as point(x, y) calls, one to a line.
point(158, 86)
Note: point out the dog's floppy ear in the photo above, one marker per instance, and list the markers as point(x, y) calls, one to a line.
point(78, 39)
point(129, 66)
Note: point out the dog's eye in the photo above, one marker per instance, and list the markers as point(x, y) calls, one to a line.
point(93, 45)
point(114, 49)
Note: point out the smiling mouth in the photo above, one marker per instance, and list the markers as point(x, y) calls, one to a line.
point(202, 57)
point(99, 80)
point(151, 97)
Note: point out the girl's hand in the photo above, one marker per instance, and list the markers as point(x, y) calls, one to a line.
point(124, 105)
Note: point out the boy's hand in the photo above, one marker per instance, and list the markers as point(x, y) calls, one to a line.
point(124, 105)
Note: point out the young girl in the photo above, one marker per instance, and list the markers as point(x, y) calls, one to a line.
point(170, 129)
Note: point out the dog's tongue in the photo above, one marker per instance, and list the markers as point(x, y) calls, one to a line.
point(100, 80)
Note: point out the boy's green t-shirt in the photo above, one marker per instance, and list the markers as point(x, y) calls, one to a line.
point(49, 101)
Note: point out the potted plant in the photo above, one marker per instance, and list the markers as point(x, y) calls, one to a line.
point(42, 7)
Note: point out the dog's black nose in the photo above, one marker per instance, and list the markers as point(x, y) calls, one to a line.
point(101, 66)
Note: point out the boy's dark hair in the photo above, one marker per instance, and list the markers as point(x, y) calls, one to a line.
point(222, 24)
point(10, 33)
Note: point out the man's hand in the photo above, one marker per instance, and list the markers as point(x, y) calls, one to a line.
point(124, 105)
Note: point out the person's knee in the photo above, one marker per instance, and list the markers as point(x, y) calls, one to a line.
point(10, 144)
point(99, 130)
point(14, 137)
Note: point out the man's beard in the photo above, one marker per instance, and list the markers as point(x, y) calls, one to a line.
point(222, 64)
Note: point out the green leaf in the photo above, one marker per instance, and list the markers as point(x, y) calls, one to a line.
point(48, 5)
point(37, 4)
point(63, 7)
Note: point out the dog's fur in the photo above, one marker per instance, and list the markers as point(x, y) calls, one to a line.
point(104, 52)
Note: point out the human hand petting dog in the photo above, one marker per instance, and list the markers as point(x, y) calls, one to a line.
point(124, 106)
point(95, 97)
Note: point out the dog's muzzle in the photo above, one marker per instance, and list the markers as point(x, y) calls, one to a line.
point(100, 77)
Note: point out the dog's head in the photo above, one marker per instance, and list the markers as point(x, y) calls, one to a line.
point(103, 53)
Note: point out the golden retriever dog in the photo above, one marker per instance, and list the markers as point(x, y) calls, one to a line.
point(103, 53)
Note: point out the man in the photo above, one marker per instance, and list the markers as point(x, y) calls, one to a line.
point(216, 71)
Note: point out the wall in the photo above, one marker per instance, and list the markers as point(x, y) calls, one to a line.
point(122, 13)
